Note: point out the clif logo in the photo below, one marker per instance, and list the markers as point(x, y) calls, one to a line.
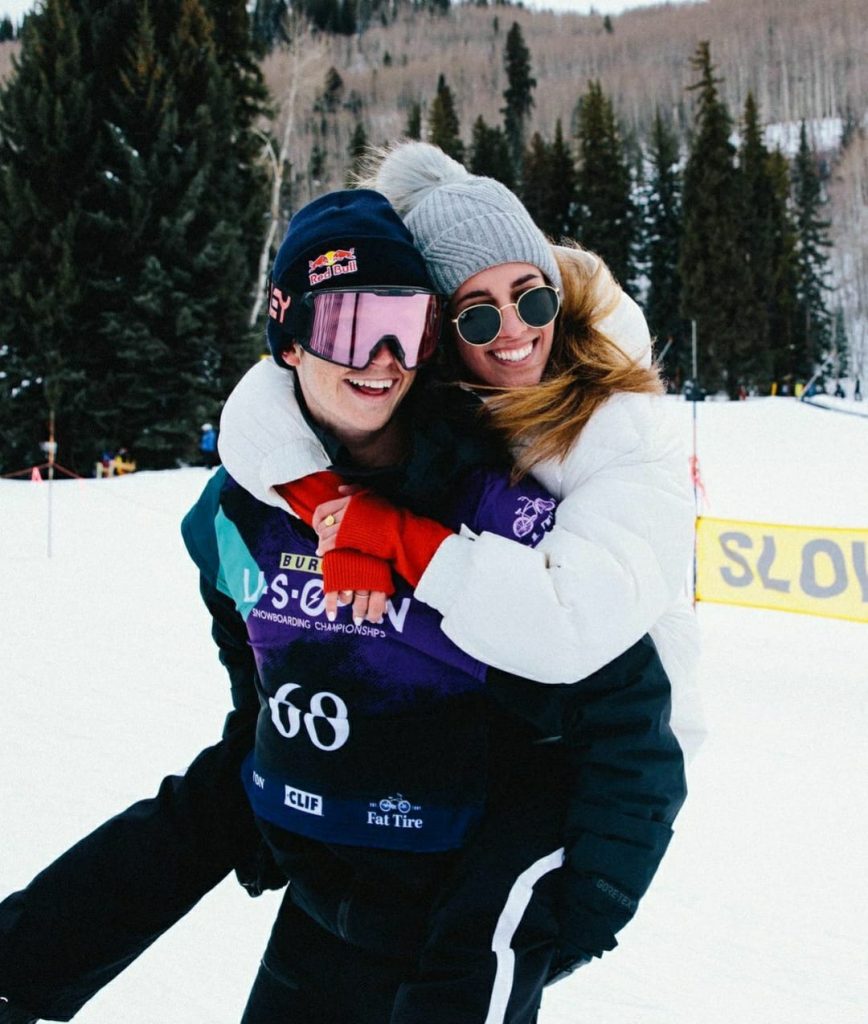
point(332, 264)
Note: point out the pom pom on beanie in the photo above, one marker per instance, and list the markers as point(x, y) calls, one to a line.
point(462, 223)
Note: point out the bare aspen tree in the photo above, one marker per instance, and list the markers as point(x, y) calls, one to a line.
point(303, 61)
point(849, 202)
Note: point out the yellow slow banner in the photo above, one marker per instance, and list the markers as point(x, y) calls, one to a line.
point(815, 570)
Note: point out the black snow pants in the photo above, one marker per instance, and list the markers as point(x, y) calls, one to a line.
point(91, 912)
point(488, 937)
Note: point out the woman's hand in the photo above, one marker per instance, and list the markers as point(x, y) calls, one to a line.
point(364, 523)
point(368, 605)
point(327, 521)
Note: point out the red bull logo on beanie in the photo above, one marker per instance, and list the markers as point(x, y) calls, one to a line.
point(332, 264)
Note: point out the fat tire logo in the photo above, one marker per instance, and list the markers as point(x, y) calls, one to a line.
point(394, 812)
point(287, 718)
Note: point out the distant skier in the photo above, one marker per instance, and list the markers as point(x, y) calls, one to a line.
point(208, 446)
point(857, 394)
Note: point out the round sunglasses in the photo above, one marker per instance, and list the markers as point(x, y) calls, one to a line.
point(481, 324)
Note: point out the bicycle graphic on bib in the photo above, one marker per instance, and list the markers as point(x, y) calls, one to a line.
point(395, 803)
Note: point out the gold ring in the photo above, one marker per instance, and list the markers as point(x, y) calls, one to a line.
point(329, 520)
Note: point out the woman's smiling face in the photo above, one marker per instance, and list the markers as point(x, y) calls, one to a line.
point(518, 355)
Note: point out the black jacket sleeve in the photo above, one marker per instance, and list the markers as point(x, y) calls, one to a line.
point(227, 627)
point(235, 654)
point(254, 866)
point(627, 784)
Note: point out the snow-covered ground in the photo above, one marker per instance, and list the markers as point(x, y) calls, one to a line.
point(757, 916)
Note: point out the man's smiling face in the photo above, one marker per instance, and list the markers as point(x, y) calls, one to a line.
point(352, 404)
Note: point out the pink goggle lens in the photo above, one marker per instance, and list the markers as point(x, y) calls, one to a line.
point(347, 327)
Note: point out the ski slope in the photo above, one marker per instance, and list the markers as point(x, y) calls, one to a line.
point(109, 680)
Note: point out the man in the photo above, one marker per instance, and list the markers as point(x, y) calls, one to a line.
point(403, 805)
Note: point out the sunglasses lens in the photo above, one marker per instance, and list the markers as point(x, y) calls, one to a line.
point(479, 325)
point(539, 306)
point(348, 327)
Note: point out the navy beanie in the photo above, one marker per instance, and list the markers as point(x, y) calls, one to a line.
point(347, 239)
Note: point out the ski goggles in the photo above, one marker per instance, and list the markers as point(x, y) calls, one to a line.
point(480, 325)
point(347, 327)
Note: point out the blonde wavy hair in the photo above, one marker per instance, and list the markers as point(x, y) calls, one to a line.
point(542, 421)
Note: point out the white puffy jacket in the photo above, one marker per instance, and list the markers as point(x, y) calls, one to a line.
point(613, 568)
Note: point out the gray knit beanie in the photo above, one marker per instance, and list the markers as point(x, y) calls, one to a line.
point(462, 223)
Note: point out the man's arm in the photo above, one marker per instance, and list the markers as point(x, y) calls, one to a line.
point(629, 785)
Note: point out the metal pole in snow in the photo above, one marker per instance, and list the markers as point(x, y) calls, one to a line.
point(51, 449)
point(694, 372)
point(694, 465)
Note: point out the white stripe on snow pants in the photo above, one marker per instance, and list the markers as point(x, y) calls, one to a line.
point(493, 934)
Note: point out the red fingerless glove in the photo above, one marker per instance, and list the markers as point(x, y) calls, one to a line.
point(341, 570)
point(305, 494)
point(346, 569)
point(373, 526)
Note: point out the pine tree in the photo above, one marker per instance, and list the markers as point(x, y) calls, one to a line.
point(356, 150)
point(317, 164)
point(267, 24)
point(813, 327)
point(662, 247)
point(537, 181)
point(713, 267)
point(562, 215)
point(840, 345)
point(443, 124)
point(549, 185)
point(518, 95)
point(783, 288)
point(414, 122)
point(758, 240)
point(154, 211)
point(332, 92)
point(347, 23)
point(323, 14)
point(243, 181)
point(50, 155)
point(178, 323)
point(606, 215)
point(489, 153)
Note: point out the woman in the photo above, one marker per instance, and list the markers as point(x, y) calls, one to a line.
point(581, 412)
point(381, 875)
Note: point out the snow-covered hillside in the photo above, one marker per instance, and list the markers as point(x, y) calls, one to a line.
point(109, 680)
